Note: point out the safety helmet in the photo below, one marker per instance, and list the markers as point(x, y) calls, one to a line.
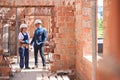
point(38, 21)
point(23, 26)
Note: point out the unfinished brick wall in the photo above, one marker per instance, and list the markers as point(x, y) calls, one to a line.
point(64, 57)
point(73, 34)
point(105, 25)
point(107, 68)
point(64, 30)
point(30, 22)
point(78, 36)
point(84, 22)
point(26, 2)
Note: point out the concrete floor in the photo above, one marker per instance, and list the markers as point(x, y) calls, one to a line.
point(28, 74)
point(39, 73)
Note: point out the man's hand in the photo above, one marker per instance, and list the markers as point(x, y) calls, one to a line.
point(38, 43)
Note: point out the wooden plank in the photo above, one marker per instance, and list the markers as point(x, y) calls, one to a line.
point(59, 78)
point(45, 76)
point(53, 78)
point(65, 77)
point(4, 77)
point(39, 77)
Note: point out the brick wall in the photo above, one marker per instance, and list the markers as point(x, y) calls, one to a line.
point(72, 19)
point(83, 32)
point(26, 2)
point(64, 29)
point(73, 34)
point(65, 43)
point(105, 25)
point(46, 20)
point(108, 67)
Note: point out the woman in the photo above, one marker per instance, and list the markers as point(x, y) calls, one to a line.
point(23, 39)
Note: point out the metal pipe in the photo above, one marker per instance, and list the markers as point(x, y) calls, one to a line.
point(17, 35)
point(94, 38)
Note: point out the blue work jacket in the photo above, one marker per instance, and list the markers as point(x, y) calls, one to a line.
point(40, 36)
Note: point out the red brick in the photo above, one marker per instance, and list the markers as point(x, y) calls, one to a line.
point(69, 13)
point(64, 57)
point(61, 24)
point(1, 59)
point(70, 24)
point(61, 35)
point(70, 19)
point(60, 8)
point(61, 14)
point(68, 8)
point(61, 19)
point(5, 71)
point(56, 57)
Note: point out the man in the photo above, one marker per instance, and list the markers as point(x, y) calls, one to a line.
point(23, 38)
point(39, 39)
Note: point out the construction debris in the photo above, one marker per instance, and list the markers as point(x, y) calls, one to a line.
point(5, 67)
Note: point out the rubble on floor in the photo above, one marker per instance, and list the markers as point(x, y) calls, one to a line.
point(5, 68)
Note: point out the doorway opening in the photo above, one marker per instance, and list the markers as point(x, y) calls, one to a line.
point(12, 17)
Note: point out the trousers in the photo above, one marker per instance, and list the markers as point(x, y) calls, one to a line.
point(24, 57)
point(39, 48)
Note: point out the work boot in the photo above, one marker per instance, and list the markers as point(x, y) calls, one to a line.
point(27, 68)
point(36, 66)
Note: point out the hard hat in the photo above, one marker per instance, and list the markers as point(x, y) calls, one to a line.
point(23, 26)
point(38, 21)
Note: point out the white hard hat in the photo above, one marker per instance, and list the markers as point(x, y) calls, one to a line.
point(38, 21)
point(23, 26)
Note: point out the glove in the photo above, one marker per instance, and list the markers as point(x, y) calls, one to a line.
point(26, 42)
